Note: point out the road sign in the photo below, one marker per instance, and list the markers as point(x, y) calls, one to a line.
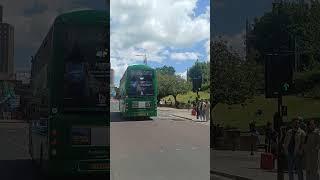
point(278, 74)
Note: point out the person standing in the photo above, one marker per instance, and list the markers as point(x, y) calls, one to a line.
point(311, 151)
point(268, 137)
point(198, 109)
point(293, 148)
point(203, 110)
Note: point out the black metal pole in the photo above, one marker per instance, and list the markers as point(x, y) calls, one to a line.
point(279, 159)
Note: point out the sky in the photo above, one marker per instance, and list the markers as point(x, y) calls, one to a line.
point(170, 32)
point(228, 18)
point(32, 19)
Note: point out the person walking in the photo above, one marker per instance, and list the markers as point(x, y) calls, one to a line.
point(293, 148)
point(311, 151)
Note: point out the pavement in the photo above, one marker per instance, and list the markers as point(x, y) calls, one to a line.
point(182, 113)
point(240, 165)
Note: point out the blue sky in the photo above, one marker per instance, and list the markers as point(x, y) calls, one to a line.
point(172, 33)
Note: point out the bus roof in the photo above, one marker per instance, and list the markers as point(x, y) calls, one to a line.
point(83, 17)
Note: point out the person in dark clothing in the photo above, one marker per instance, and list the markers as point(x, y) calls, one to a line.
point(268, 137)
point(293, 148)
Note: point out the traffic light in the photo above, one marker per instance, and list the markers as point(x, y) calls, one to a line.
point(278, 74)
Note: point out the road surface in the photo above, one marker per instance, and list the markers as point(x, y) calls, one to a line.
point(161, 148)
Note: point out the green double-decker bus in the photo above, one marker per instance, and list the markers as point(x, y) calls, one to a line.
point(138, 92)
point(69, 118)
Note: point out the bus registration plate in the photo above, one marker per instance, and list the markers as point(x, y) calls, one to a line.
point(99, 166)
point(142, 104)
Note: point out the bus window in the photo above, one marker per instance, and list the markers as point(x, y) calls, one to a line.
point(141, 83)
point(86, 73)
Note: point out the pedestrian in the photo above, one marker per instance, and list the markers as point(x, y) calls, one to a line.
point(198, 109)
point(268, 137)
point(311, 151)
point(207, 111)
point(293, 148)
point(203, 110)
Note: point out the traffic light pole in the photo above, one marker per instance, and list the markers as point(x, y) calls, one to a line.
point(279, 158)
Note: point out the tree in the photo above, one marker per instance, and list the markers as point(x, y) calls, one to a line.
point(178, 85)
point(232, 78)
point(285, 26)
point(169, 70)
point(200, 69)
point(169, 84)
point(163, 84)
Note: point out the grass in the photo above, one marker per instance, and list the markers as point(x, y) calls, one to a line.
point(238, 116)
point(184, 98)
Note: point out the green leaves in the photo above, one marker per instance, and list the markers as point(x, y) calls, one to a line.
point(200, 69)
point(171, 84)
point(232, 79)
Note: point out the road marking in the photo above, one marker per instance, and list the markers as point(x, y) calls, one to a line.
point(194, 148)
point(178, 149)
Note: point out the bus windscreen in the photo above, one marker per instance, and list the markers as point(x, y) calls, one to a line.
point(140, 83)
point(86, 70)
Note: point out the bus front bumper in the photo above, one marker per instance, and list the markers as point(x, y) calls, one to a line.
point(140, 114)
point(79, 167)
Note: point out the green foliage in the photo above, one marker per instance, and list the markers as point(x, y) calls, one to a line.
point(169, 84)
point(279, 29)
point(200, 69)
point(169, 70)
point(233, 79)
point(240, 116)
point(189, 96)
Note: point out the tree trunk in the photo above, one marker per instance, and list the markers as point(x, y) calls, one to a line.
point(175, 101)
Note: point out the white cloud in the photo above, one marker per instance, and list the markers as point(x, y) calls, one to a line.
point(185, 56)
point(153, 27)
point(207, 47)
point(183, 74)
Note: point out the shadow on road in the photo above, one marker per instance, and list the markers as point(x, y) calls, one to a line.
point(19, 169)
point(26, 170)
point(115, 117)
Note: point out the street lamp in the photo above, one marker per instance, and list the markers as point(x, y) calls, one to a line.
point(145, 58)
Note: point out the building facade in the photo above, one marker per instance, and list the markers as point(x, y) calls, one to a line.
point(6, 49)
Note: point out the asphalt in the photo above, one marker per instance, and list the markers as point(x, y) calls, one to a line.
point(161, 148)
